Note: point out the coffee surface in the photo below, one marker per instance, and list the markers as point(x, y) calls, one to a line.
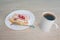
point(49, 16)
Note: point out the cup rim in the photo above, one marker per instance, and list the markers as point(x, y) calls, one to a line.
point(49, 13)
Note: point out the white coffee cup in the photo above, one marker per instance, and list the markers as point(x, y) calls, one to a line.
point(47, 20)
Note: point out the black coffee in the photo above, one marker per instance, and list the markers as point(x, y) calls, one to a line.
point(49, 16)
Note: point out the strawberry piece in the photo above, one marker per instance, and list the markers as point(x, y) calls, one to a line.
point(21, 17)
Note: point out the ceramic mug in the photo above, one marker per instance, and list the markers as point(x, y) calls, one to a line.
point(47, 20)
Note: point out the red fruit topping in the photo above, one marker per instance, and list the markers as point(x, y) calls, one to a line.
point(21, 17)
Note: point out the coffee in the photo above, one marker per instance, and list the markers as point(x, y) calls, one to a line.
point(49, 16)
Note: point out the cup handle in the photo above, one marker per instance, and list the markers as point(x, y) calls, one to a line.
point(56, 25)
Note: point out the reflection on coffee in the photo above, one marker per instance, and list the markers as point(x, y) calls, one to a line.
point(49, 16)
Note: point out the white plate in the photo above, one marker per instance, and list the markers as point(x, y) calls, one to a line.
point(17, 27)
